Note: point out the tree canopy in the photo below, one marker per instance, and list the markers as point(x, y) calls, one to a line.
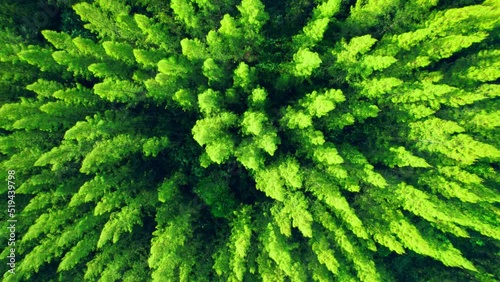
point(253, 140)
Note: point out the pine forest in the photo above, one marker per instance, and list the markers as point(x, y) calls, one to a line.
point(250, 140)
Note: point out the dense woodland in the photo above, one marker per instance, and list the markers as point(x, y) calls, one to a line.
point(251, 140)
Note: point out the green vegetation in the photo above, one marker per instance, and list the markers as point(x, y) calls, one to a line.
point(252, 140)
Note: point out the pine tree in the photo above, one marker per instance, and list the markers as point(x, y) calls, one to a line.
point(250, 140)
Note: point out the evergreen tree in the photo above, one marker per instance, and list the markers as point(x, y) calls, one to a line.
point(251, 140)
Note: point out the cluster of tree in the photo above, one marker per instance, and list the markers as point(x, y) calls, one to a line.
point(205, 140)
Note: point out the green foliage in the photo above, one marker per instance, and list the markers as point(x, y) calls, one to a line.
point(99, 21)
point(253, 17)
point(305, 62)
point(39, 57)
point(119, 51)
point(149, 58)
point(215, 192)
point(120, 91)
point(185, 12)
point(114, 149)
point(119, 222)
point(169, 246)
point(193, 49)
point(195, 140)
point(234, 260)
point(212, 132)
point(244, 76)
point(212, 71)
